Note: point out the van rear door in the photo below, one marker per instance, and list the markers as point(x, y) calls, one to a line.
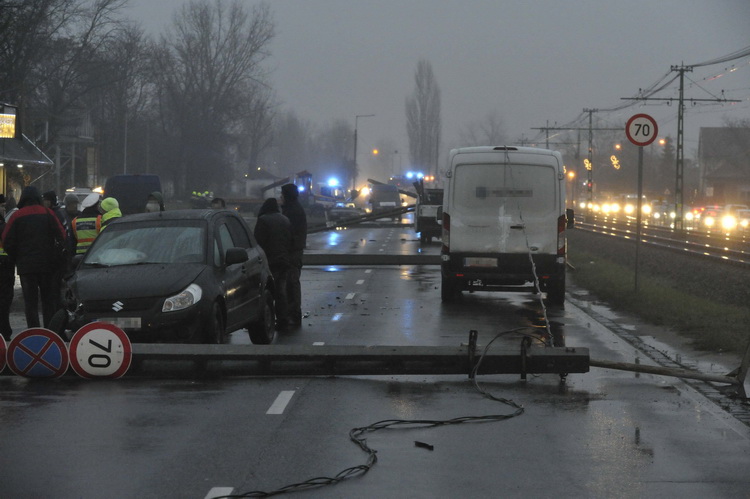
point(504, 208)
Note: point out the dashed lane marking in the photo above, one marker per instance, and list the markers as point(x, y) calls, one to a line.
point(350, 296)
point(279, 405)
point(368, 271)
point(319, 343)
point(336, 317)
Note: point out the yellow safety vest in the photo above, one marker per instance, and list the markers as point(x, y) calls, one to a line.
point(86, 230)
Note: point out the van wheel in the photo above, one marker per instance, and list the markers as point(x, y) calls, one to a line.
point(556, 292)
point(449, 290)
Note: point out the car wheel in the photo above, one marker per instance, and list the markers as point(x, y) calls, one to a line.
point(214, 332)
point(263, 330)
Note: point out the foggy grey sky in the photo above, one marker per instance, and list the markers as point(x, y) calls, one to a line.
point(533, 60)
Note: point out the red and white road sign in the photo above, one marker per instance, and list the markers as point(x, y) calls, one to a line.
point(641, 129)
point(3, 352)
point(38, 353)
point(100, 350)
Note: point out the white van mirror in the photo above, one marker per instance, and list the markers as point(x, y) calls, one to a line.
point(439, 214)
point(570, 218)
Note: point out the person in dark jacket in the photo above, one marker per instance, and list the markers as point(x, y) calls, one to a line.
point(7, 282)
point(273, 231)
point(291, 207)
point(29, 238)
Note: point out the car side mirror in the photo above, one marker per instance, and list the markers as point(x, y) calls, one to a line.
point(570, 218)
point(236, 255)
point(439, 214)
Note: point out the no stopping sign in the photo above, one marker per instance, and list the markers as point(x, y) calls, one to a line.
point(100, 350)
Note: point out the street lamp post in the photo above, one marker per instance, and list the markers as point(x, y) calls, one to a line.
point(354, 173)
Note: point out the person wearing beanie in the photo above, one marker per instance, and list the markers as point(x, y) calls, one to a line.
point(49, 200)
point(110, 209)
point(292, 209)
point(30, 238)
point(273, 231)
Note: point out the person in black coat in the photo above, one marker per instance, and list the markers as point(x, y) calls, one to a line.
point(291, 207)
point(273, 231)
point(7, 282)
point(30, 238)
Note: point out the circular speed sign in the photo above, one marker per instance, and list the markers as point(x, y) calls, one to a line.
point(641, 129)
point(100, 350)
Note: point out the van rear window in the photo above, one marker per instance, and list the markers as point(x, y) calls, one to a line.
point(505, 189)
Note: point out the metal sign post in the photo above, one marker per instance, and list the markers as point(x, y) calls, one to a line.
point(641, 130)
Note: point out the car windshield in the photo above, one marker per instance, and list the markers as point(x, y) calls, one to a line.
point(131, 245)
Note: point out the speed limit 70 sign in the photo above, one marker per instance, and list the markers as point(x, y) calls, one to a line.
point(641, 129)
point(100, 350)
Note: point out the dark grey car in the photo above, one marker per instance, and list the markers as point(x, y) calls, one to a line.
point(174, 276)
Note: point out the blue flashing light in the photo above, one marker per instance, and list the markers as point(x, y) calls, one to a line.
point(409, 175)
point(420, 175)
point(333, 182)
point(301, 188)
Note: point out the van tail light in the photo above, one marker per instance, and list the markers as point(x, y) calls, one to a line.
point(446, 238)
point(561, 242)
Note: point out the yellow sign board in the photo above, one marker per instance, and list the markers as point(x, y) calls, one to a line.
point(7, 126)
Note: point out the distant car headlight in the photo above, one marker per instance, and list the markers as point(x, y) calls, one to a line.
point(728, 222)
point(187, 298)
point(708, 221)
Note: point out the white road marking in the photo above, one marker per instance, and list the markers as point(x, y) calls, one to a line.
point(219, 492)
point(279, 405)
point(336, 317)
point(368, 271)
point(319, 343)
point(361, 281)
point(350, 296)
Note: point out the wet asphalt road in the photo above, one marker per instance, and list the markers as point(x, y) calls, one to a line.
point(600, 434)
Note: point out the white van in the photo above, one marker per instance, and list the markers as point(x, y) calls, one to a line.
point(504, 208)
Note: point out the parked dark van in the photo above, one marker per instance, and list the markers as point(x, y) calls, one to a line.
point(132, 191)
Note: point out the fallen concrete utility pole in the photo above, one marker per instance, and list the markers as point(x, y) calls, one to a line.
point(308, 360)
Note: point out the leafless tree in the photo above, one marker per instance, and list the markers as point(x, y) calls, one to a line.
point(423, 123)
point(489, 131)
point(208, 65)
point(255, 131)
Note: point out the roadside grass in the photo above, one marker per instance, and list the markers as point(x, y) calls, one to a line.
point(710, 325)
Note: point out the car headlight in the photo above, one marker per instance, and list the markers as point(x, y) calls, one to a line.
point(187, 298)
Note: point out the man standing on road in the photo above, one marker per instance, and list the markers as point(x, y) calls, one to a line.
point(293, 210)
point(29, 238)
point(274, 234)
